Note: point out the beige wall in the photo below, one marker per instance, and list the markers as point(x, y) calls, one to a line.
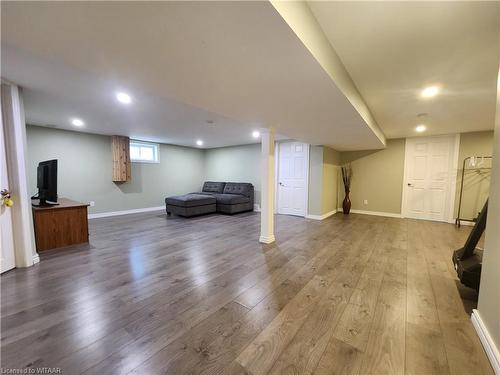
point(476, 183)
point(323, 180)
point(330, 183)
point(235, 164)
point(377, 177)
point(315, 180)
point(489, 293)
point(84, 170)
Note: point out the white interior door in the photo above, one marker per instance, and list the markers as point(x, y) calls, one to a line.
point(293, 168)
point(7, 257)
point(429, 176)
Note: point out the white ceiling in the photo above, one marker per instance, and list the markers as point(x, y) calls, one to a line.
point(237, 63)
point(394, 49)
point(56, 93)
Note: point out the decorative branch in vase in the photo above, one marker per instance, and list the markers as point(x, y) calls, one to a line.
point(346, 178)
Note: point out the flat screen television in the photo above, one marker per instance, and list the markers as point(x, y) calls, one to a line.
point(46, 183)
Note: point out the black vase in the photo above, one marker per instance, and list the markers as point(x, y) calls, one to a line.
point(346, 204)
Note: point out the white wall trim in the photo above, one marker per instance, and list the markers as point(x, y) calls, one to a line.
point(321, 217)
point(307, 163)
point(488, 343)
point(276, 174)
point(454, 171)
point(267, 239)
point(256, 208)
point(462, 222)
point(125, 212)
point(374, 213)
point(405, 178)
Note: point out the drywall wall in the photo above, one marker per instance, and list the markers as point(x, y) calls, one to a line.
point(85, 163)
point(330, 183)
point(377, 178)
point(323, 180)
point(315, 180)
point(85, 171)
point(301, 20)
point(235, 164)
point(476, 182)
point(242, 164)
point(489, 293)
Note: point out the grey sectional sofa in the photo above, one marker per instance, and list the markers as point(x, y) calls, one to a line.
point(225, 197)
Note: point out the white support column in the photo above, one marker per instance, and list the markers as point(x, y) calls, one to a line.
point(267, 186)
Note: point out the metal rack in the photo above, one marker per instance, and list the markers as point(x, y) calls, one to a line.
point(458, 218)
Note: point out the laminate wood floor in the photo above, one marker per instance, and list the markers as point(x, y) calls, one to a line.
point(348, 295)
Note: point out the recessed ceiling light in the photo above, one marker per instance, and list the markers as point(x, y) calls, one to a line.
point(123, 98)
point(199, 142)
point(256, 134)
point(420, 128)
point(429, 91)
point(77, 122)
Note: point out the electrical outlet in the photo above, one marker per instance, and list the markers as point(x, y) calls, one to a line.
point(365, 201)
point(92, 203)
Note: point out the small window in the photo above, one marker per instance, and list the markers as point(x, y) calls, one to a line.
point(144, 152)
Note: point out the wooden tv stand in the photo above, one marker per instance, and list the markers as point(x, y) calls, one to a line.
point(60, 225)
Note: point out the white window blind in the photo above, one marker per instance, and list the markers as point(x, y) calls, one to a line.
point(144, 152)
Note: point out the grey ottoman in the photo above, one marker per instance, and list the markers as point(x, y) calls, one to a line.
point(190, 205)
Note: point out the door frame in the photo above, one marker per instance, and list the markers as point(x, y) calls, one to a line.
point(14, 126)
point(452, 176)
point(5, 227)
point(277, 175)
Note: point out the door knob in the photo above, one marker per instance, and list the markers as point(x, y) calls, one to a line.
point(5, 198)
point(281, 184)
point(409, 184)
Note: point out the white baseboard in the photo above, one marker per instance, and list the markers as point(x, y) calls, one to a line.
point(267, 239)
point(488, 343)
point(375, 213)
point(466, 223)
point(36, 258)
point(125, 212)
point(321, 217)
point(256, 207)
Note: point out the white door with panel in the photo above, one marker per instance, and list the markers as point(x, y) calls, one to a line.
point(293, 166)
point(7, 257)
point(430, 172)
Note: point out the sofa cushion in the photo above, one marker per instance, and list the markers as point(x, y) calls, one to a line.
point(231, 198)
point(213, 187)
point(240, 188)
point(190, 200)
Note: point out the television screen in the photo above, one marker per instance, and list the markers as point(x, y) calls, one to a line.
point(47, 181)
